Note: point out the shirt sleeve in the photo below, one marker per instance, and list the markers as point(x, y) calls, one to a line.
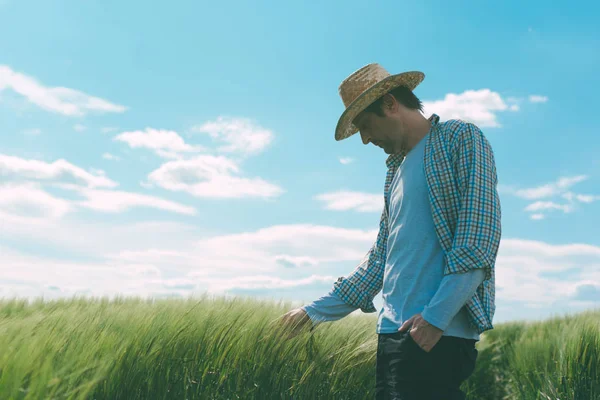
point(328, 308)
point(362, 285)
point(454, 291)
point(478, 229)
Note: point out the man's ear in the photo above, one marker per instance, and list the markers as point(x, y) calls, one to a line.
point(390, 103)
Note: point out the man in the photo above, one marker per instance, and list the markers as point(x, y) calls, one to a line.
point(436, 249)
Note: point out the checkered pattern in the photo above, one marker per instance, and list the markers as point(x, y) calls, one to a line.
point(461, 177)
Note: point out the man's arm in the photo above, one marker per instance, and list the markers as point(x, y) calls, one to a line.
point(327, 308)
point(363, 284)
point(348, 294)
point(472, 256)
point(478, 229)
point(454, 291)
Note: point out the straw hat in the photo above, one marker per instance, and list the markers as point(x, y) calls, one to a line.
point(363, 87)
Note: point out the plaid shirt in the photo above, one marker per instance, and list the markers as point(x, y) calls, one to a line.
point(461, 178)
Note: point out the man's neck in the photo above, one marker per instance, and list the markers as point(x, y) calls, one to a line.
point(418, 128)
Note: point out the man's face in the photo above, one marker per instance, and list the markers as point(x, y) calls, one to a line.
point(377, 130)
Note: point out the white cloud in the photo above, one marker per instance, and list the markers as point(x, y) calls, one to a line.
point(33, 131)
point(548, 205)
point(32, 276)
point(532, 275)
point(541, 249)
point(322, 243)
point(348, 200)
point(25, 199)
point(221, 286)
point(58, 170)
point(108, 156)
point(276, 251)
point(115, 201)
point(476, 106)
point(538, 99)
point(79, 127)
point(550, 189)
point(155, 256)
point(101, 238)
point(587, 291)
point(515, 102)
point(161, 258)
point(97, 171)
point(240, 135)
point(210, 176)
point(583, 198)
point(346, 160)
point(56, 99)
point(262, 258)
point(541, 274)
point(185, 261)
point(30, 201)
point(165, 143)
point(109, 129)
point(295, 262)
point(36, 276)
point(553, 189)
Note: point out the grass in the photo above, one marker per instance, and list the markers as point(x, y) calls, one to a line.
point(214, 348)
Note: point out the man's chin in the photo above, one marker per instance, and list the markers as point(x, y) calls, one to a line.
point(388, 149)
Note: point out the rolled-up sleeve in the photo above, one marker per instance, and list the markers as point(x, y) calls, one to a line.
point(478, 229)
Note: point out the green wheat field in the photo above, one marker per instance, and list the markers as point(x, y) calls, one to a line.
point(217, 348)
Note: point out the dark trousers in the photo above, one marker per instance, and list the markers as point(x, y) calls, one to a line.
point(407, 372)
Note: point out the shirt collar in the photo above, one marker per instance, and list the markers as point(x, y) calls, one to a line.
point(395, 159)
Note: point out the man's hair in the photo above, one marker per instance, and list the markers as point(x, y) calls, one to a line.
point(403, 95)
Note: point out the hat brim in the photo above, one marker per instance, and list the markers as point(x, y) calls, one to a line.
point(345, 127)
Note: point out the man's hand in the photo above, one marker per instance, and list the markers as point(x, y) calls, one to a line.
point(423, 333)
point(295, 322)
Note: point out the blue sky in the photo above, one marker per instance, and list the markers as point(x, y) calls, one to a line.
point(182, 147)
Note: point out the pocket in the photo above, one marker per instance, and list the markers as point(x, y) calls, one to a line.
point(470, 349)
point(468, 358)
point(414, 343)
